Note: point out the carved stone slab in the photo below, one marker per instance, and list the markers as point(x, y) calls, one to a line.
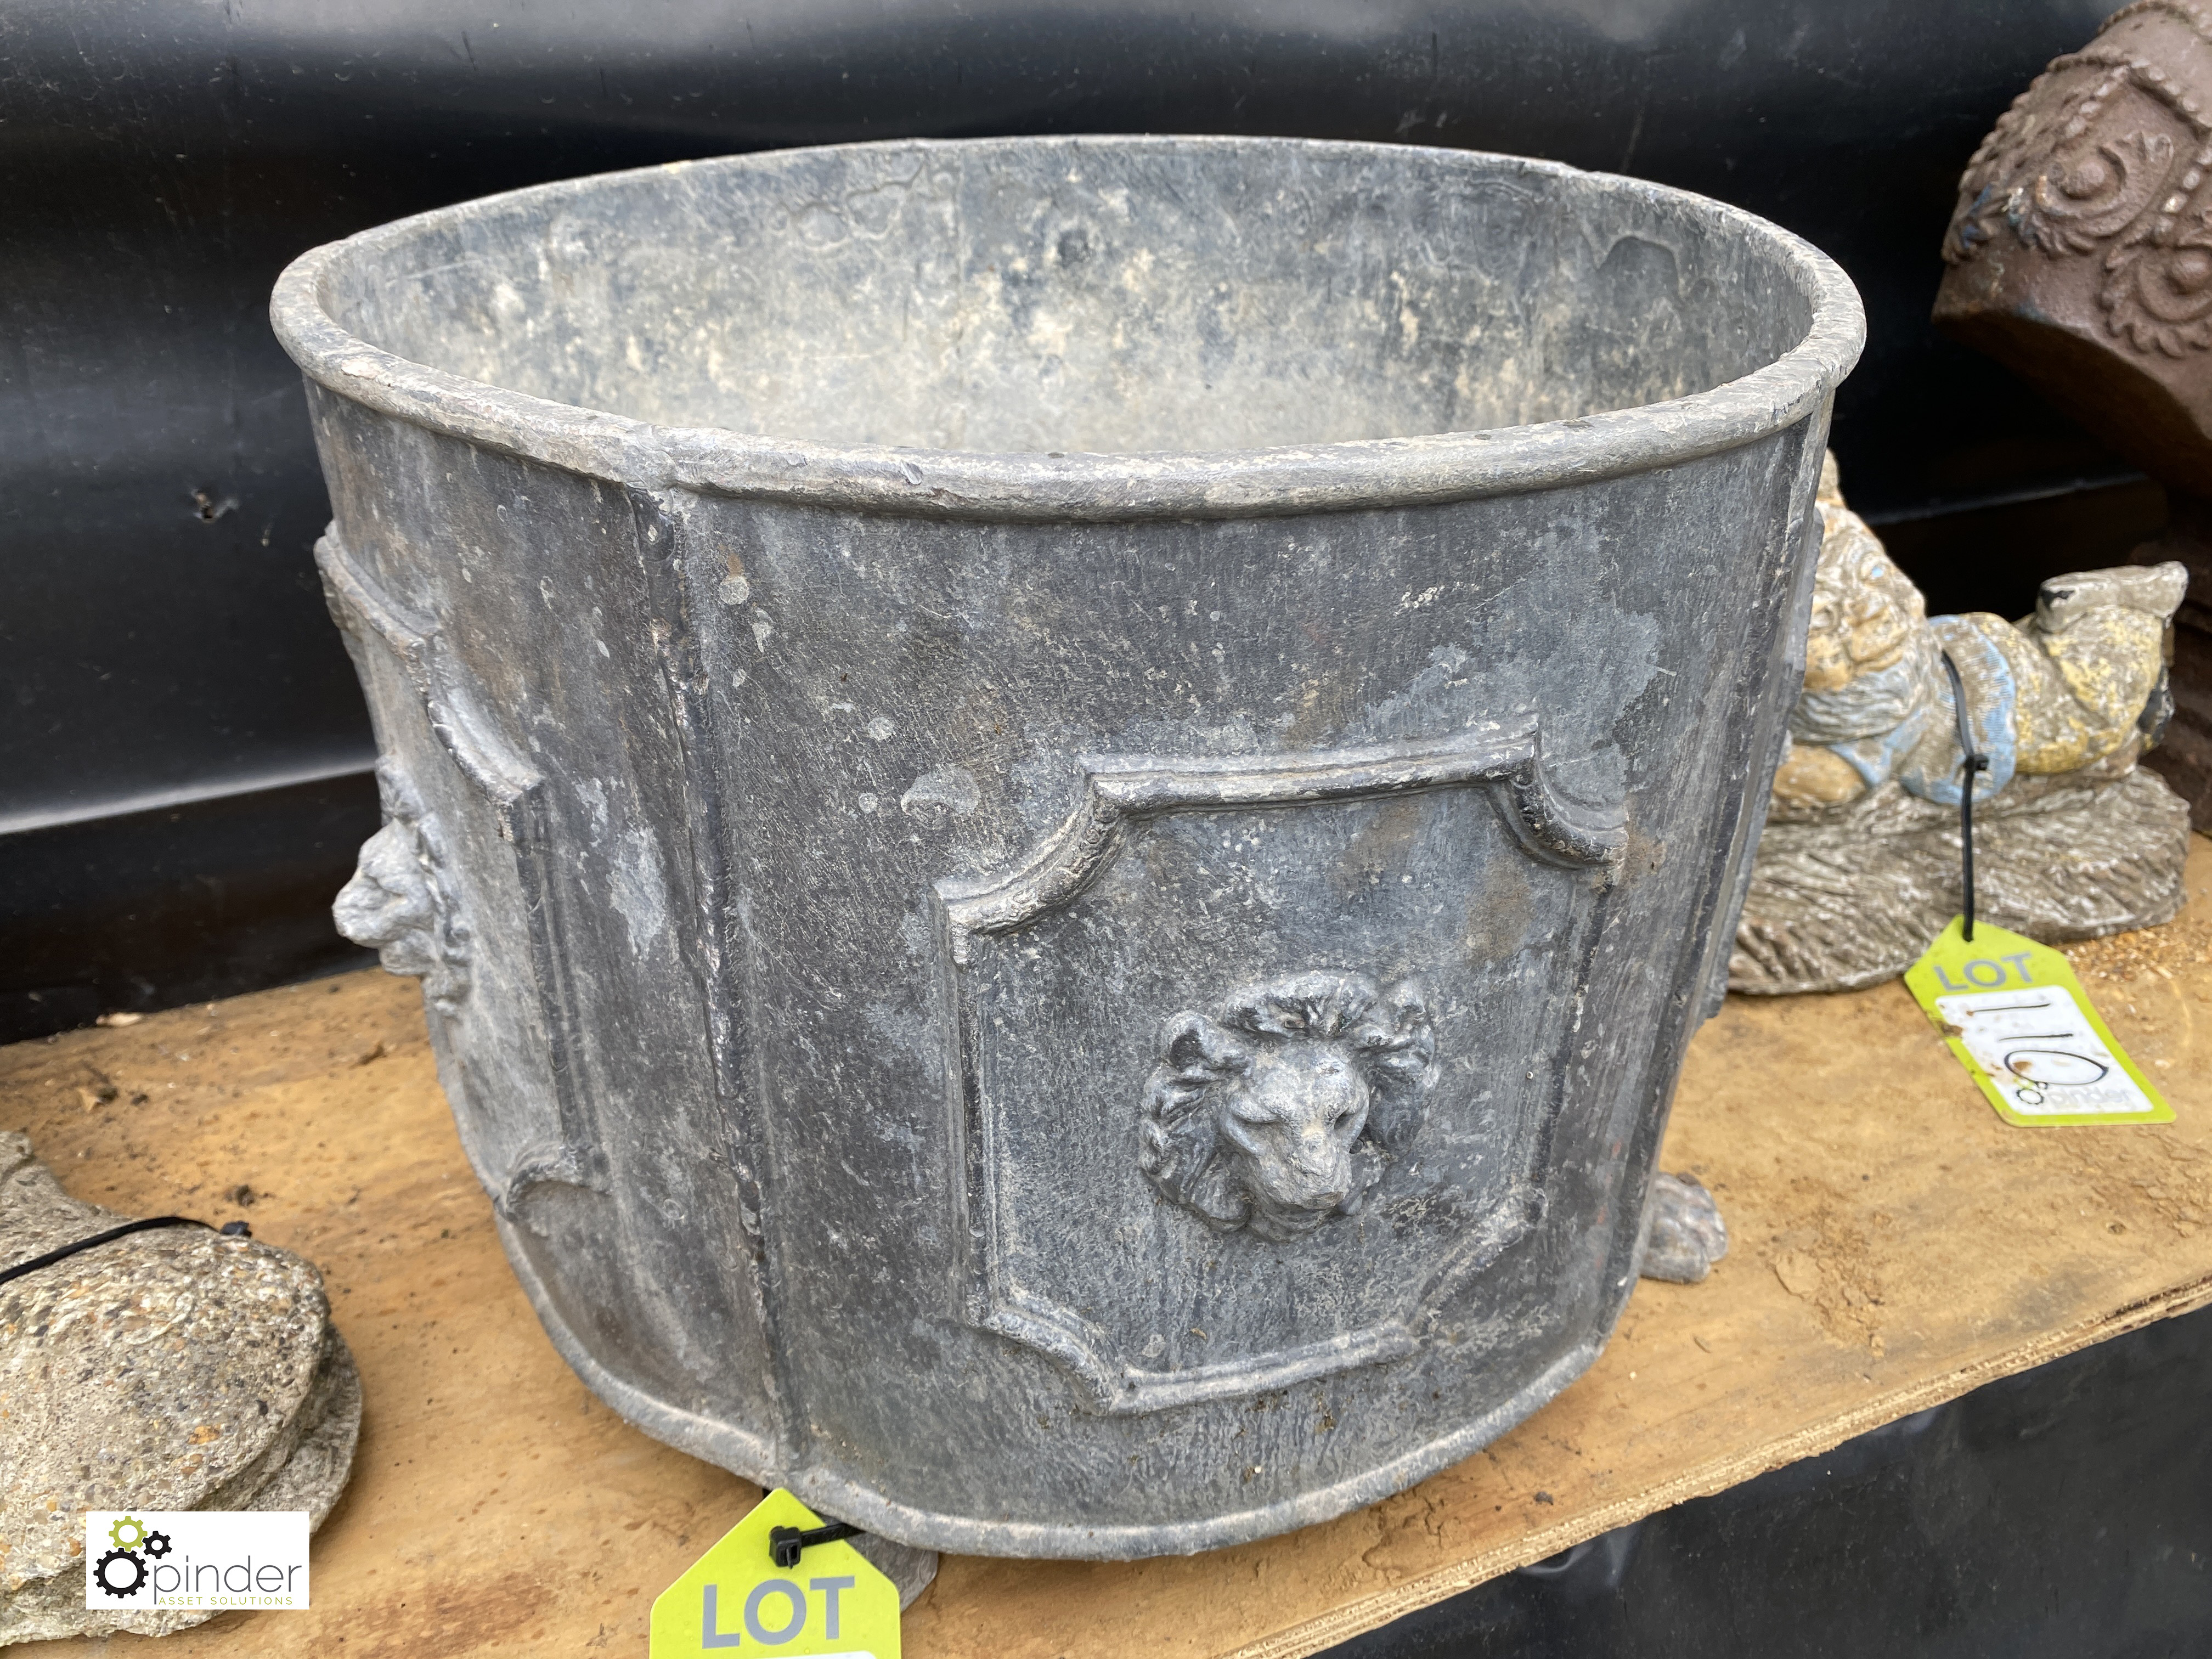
point(171, 1370)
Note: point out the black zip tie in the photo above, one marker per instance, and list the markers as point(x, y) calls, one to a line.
point(1975, 762)
point(784, 1543)
point(228, 1229)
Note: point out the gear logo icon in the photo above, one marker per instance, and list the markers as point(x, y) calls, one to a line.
point(120, 1572)
point(157, 1544)
point(130, 1524)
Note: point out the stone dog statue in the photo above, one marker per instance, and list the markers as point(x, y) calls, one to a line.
point(1859, 868)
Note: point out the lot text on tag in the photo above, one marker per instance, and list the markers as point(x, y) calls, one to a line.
point(2020, 1023)
point(833, 1605)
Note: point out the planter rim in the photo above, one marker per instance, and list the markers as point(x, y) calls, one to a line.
point(1038, 487)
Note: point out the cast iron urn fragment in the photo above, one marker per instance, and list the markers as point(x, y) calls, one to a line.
point(2079, 255)
point(1070, 799)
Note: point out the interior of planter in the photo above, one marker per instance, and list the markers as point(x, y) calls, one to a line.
point(1069, 295)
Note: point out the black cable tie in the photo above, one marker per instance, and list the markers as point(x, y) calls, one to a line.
point(229, 1229)
point(1975, 762)
point(784, 1543)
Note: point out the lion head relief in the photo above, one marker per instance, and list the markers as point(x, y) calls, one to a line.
point(1278, 1108)
point(399, 903)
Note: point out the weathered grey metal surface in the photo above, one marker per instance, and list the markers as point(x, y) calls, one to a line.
point(1080, 947)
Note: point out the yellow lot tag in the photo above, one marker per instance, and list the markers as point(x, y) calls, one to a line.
point(2023, 1027)
point(735, 1600)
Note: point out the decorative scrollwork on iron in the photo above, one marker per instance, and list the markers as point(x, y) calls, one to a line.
point(2109, 153)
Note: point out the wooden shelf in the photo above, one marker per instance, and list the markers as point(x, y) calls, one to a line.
point(1895, 1245)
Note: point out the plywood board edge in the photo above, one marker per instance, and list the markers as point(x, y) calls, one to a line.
point(1717, 1474)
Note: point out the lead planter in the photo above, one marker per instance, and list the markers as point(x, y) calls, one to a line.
point(1081, 948)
